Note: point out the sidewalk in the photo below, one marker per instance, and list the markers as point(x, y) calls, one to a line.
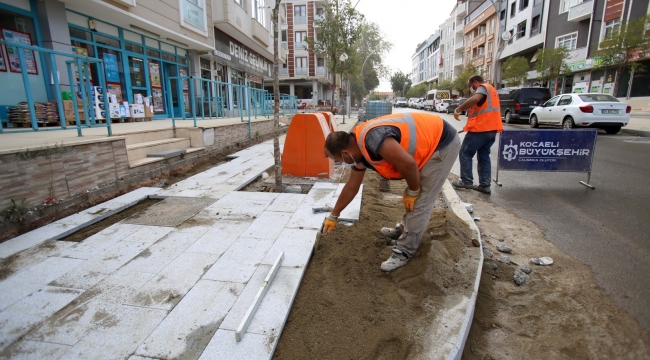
point(638, 125)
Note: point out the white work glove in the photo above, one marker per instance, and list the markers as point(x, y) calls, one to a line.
point(456, 115)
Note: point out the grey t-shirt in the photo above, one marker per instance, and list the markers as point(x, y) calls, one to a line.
point(481, 90)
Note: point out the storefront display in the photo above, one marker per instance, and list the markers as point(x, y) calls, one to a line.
point(17, 37)
point(3, 63)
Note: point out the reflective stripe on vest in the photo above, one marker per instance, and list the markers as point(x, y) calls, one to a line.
point(488, 109)
point(408, 119)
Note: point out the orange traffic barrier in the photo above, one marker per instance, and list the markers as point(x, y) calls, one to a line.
point(304, 147)
point(331, 122)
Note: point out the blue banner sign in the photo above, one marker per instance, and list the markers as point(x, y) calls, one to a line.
point(112, 71)
point(547, 150)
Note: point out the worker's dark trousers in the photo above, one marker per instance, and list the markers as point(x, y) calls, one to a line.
point(432, 176)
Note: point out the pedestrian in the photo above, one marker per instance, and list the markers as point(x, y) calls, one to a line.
point(483, 124)
point(417, 147)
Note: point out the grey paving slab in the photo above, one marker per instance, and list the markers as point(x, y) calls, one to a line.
point(20, 317)
point(321, 194)
point(148, 234)
point(219, 237)
point(13, 290)
point(157, 256)
point(191, 193)
point(353, 210)
point(297, 246)
point(170, 212)
point(34, 237)
point(134, 196)
point(95, 308)
point(137, 357)
point(97, 243)
point(217, 192)
point(287, 202)
point(169, 286)
point(268, 225)
point(230, 201)
point(240, 261)
point(101, 265)
point(304, 218)
point(224, 346)
point(47, 270)
point(119, 340)
point(30, 350)
point(186, 331)
point(32, 256)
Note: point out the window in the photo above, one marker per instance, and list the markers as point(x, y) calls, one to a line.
point(284, 35)
point(259, 11)
point(611, 28)
point(568, 41)
point(567, 4)
point(481, 30)
point(534, 26)
point(523, 4)
point(521, 29)
point(321, 62)
point(513, 6)
point(300, 40)
point(240, 2)
point(301, 65)
point(491, 29)
point(487, 72)
point(552, 101)
point(502, 16)
point(300, 14)
point(565, 100)
point(193, 13)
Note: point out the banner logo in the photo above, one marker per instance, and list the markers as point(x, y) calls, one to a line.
point(509, 152)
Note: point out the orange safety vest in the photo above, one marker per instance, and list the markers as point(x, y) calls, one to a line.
point(420, 136)
point(486, 117)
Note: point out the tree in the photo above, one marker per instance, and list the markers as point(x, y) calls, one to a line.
point(372, 49)
point(515, 70)
point(460, 83)
point(445, 84)
point(400, 83)
point(339, 30)
point(623, 48)
point(418, 91)
point(276, 99)
point(550, 63)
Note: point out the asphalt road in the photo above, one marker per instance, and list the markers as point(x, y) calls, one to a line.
point(608, 228)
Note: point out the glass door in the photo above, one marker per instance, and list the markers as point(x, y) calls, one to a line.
point(171, 70)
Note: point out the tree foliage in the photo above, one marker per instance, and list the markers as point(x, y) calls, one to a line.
point(417, 91)
point(551, 63)
point(339, 31)
point(445, 84)
point(515, 70)
point(460, 83)
point(400, 83)
point(623, 47)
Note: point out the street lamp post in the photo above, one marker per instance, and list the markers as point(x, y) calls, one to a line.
point(343, 57)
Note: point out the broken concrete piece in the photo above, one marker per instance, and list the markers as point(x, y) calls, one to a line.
point(543, 261)
point(520, 277)
point(293, 189)
point(504, 259)
point(525, 269)
point(504, 248)
point(487, 252)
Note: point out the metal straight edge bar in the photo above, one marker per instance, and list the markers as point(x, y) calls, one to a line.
point(243, 326)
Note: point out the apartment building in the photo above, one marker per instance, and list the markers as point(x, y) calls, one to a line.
point(426, 60)
point(480, 39)
point(304, 74)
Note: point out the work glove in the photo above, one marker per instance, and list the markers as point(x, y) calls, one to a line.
point(456, 115)
point(329, 224)
point(409, 197)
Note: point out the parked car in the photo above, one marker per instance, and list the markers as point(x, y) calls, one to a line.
point(517, 103)
point(420, 104)
point(442, 105)
point(434, 97)
point(456, 103)
point(411, 102)
point(400, 102)
point(594, 110)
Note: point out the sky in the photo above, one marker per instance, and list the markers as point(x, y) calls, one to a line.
point(405, 23)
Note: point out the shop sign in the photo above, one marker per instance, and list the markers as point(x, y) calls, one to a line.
point(580, 65)
point(239, 56)
point(112, 70)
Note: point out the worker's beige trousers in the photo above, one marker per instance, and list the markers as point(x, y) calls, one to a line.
point(432, 176)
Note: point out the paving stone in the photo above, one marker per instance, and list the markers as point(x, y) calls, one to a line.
point(352, 211)
point(170, 212)
point(230, 201)
point(297, 246)
point(224, 346)
point(268, 225)
point(30, 350)
point(20, 317)
point(157, 256)
point(191, 193)
point(15, 289)
point(321, 196)
point(219, 192)
point(149, 234)
point(188, 328)
point(274, 308)
point(47, 270)
point(240, 261)
point(34, 237)
point(121, 337)
point(135, 195)
point(97, 243)
point(287, 203)
point(219, 237)
point(251, 207)
point(304, 218)
point(169, 286)
point(101, 265)
point(95, 308)
point(32, 256)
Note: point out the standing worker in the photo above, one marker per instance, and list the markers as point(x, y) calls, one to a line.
point(483, 124)
point(417, 147)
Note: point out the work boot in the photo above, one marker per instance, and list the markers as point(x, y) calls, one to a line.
point(393, 233)
point(483, 189)
point(395, 261)
point(461, 185)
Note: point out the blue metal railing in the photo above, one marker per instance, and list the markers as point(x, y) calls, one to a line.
point(83, 66)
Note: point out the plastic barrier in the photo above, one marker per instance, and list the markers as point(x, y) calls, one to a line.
point(304, 147)
point(331, 122)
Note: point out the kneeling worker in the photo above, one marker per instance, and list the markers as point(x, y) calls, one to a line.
point(417, 147)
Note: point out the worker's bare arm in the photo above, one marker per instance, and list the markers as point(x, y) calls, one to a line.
point(350, 190)
point(392, 152)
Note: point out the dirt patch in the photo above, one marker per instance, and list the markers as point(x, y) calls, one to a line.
point(93, 229)
point(559, 313)
point(347, 308)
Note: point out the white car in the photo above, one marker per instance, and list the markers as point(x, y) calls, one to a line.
point(442, 105)
point(593, 110)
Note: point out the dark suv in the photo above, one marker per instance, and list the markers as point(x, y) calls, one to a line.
point(516, 104)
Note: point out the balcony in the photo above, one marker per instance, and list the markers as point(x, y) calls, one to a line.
point(581, 12)
point(459, 45)
point(478, 41)
point(478, 60)
point(283, 71)
point(320, 70)
point(301, 45)
point(458, 62)
point(302, 71)
point(489, 57)
point(299, 19)
point(260, 33)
